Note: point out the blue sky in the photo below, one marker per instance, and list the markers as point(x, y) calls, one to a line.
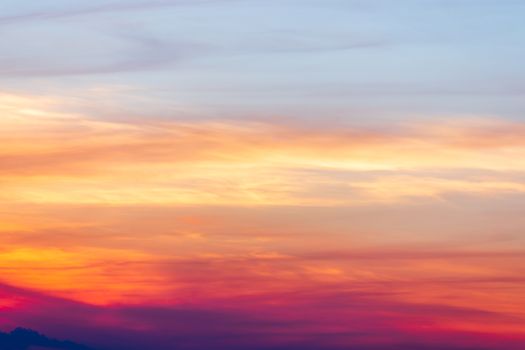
point(301, 59)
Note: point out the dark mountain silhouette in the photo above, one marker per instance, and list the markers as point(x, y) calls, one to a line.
point(27, 339)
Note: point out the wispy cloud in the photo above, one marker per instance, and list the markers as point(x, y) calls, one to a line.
point(115, 6)
point(194, 162)
point(144, 53)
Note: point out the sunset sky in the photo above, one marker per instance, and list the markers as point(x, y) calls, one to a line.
point(264, 174)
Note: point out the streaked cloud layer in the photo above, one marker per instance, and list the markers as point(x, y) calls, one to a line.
point(413, 219)
point(79, 160)
point(187, 175)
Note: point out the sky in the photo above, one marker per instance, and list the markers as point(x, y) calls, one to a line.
point(264, 174)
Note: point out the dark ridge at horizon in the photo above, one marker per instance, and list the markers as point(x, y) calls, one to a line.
point(22, 338)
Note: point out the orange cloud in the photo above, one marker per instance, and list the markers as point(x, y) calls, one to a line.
point(72, 159)
point(203, 212)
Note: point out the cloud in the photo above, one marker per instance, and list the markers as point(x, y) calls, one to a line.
point(131, 48)
point(151, 233)
point(120, 6)
point(142, 52)
point(81, 160)
point(310, 319)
